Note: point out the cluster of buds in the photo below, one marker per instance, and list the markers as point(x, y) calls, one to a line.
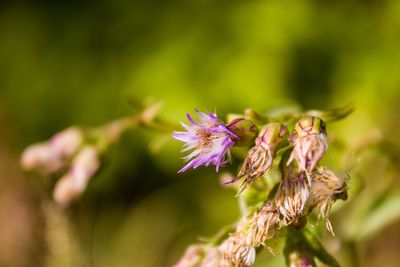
point(67, 152)
point(304, 186)
point(74, 154)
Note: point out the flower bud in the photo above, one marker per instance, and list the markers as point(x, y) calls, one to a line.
point(244, 129)
point(67, 142)
point(74, 183)
point(51, 156)
point(272, 136)
point(85, 164)
point(41, 157)
point(66, 190)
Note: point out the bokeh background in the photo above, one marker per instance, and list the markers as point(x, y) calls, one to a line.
point(68, 63)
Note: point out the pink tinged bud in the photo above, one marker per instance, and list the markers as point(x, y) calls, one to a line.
point(74, 183)
point(66, 190)
point(85, 164)
point(49, 157)
point(67, 142)
point(41, 157)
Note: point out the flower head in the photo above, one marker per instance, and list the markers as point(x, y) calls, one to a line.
point(209, 141)
point(310, 143)
point(291, 198)
point(326, 188)
point(259, 158)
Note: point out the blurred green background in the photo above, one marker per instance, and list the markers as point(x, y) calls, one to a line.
point(68, 63)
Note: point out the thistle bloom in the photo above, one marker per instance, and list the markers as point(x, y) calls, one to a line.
point(209, 141)
point(310, 143)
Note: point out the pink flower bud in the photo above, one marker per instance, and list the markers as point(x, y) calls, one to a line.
point(74, 183)
point(41, 157)
point(67, 142)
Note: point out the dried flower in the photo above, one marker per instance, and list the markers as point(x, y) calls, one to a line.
point(239, 248)
point(266, 223)
point(209, 141)
point(325, 190)
point(236, 250)
point(292, 196)
point(259, 158)
point(72, 184)
point(310, 143)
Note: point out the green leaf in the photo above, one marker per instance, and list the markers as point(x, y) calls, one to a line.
point(332, 114)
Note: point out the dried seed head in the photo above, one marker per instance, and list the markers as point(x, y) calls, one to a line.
point(236, 251)
point(326, 188)
point(310, 143)
point(260, 157)
point(264, 224)
point(291, 197)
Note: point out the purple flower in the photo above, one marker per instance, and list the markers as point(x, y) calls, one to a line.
point(208, 140)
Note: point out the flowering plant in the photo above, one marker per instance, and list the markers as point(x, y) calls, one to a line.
point(304, 186)
point(290, 145)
